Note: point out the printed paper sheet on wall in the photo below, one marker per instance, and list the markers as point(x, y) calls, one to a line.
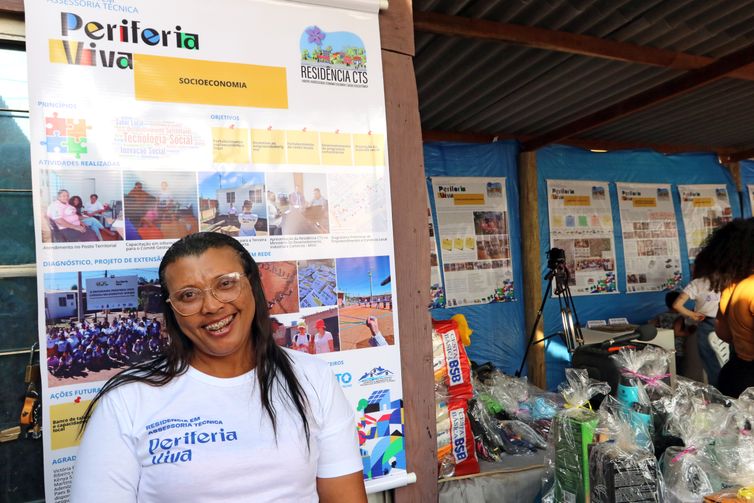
point(650, 237)
point(581, 224)
point(750, 191)
point(472, 219)
point(704, 209)
point(436, 288)
point(263, 120)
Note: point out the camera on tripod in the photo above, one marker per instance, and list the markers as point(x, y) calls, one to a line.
point(556, 258)
point(571, 334)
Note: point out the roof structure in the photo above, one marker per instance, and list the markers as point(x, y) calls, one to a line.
point(674, 75)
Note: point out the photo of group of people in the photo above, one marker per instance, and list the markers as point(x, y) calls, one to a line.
point(316, 332)
point(586, 255)
point(86, 343)
point(81, 206)
point(159, 205)
point(356, 291)
point(152, 205)
point(297, 203)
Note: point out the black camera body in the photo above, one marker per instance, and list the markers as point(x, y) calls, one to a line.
point(556, 258)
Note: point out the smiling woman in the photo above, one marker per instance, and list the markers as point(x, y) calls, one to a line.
point(225, 414)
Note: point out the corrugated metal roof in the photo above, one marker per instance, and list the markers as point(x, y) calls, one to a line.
point(475, 86)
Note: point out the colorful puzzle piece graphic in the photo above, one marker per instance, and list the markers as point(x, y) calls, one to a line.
point(76, 128)
point(65, 136)
point(55, 126)
point(77, 146)
point(56, 144)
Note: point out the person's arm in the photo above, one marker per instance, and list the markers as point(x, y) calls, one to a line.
point(678, 306)
point(331, 344)
point(722, 330)
point(345, 488)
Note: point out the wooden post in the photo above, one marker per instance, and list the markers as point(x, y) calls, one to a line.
point(411, 242)
point(532, 288)
point(734, 167)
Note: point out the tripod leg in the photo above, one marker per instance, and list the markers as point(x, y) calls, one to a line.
point(534, 327)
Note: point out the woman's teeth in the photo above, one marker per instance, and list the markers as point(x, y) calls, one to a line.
point(219, 324)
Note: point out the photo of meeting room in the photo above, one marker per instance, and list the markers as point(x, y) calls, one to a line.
point(315, 332)
point(297, 203)
point(233, 203)
point(81, 206)
point(159, 205)
point(119, 323)
point(365, 302)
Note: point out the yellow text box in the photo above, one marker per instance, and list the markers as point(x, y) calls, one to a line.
point(336, 149)
point(468, 199)
point(268, 146)
point(703, 202)
point(369, 149)
point(645, 202)
point(577, 201)
point(65, 420)
point(230, 145)
point(179, 80)
point(303, 147)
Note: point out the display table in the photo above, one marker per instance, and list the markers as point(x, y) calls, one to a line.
point(664, 339)
point(516, 479)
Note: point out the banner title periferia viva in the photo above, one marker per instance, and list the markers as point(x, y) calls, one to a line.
point(75, 52)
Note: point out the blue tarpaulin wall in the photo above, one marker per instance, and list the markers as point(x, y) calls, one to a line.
point(747, 178)
point(498, 328)
point(568, 163)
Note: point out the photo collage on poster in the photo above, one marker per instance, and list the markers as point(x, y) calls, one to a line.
point(704, 208)
point(581, 224)
point(474, 236)
point(650, 237)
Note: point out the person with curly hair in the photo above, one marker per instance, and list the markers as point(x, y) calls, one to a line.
point(727, 262)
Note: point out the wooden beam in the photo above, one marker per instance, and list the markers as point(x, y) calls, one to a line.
point(411, 244)
point(532, 288)
point(12, 6)
point(572, 43)
point(671, 89)
point(434, 135)
point(739, 155)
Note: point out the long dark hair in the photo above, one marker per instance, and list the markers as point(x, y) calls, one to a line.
point(273, 365)
point(727, 255)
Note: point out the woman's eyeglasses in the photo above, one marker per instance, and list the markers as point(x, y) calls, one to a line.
point(189, 301)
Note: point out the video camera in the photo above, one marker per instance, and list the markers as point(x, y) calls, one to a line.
point(556, 258)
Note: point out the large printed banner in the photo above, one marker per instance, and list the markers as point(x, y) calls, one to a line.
point(650, 237)
point(704, 209)
point(581, 224)
point(263, 120)
point(472, 219)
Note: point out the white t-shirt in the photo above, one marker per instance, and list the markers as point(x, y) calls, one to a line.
point(302, 341)
point(705, 300)
point(321, 343)
point(207, 439)
point(91, 208)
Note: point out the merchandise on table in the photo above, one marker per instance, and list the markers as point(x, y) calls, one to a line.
point(451, 365)
point(622, 467)
point(456, 455)
point(567, 472)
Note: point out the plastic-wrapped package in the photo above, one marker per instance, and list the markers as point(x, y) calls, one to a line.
point(731, 495)
point(643, 380)
point(622, 467)
point(566, 477)
point(733, 448)
point(519, 438)
point(690, 472)
point(489, 445)
point(451, 364)
point(455, 442)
